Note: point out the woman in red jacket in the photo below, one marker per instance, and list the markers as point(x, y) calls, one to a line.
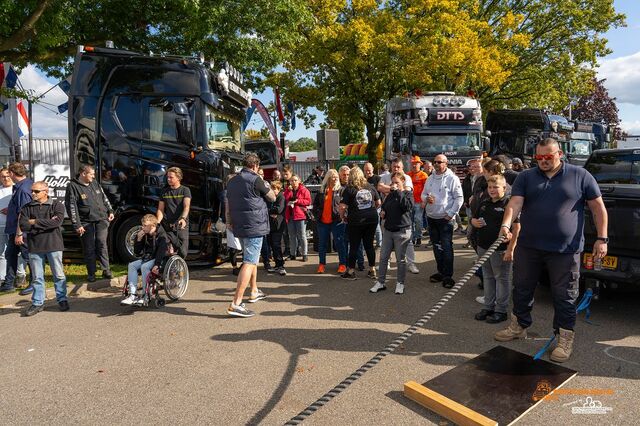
point(297, 199)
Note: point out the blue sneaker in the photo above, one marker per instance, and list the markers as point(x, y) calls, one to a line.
point(26, 290)
point(6, 288)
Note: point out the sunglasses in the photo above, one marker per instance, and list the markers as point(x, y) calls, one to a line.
point(37, 191)
point(547, 157)
point(439, 162)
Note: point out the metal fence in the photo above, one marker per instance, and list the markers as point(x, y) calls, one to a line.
point(46, 151)
point(304, 168)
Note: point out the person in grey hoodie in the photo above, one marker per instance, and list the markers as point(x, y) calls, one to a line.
point(442, 198)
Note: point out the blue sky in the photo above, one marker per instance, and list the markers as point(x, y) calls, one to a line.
point(621, 69)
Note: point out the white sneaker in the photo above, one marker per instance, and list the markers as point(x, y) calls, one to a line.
point(413, 268)
point(399, 288)
point(480, 300)
point(139, 301)
point(378, 286)
point(128, 301)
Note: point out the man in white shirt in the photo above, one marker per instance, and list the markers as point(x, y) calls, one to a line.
point(442, 198)
point(384, 187)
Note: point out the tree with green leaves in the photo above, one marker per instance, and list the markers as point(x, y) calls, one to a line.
point(254, 36)
point(360, 53)
point(563, 40)
point(303, 144)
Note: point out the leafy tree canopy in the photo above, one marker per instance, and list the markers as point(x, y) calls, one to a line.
point(357, 54)
point(302, 144)
point(252, 35)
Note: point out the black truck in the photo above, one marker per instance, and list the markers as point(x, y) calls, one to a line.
point(516, 133)
point(617, 172)
point(585, 138)
point(134, 115)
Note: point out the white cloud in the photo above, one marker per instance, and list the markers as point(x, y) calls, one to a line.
point(631, 127)
point(623, 77)
point(46, 122)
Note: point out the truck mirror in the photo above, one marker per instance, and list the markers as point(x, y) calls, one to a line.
point(395, 142)
point(485, 143)
point(184, 132)
point(180, 108)
point(404, 145)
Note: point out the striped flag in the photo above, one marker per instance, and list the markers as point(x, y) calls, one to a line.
point(23, 120)
point(8, 76)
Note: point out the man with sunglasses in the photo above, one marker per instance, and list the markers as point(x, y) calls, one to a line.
point(15, 246)
point(442, 198)
point(550, 199)
point(41, 222)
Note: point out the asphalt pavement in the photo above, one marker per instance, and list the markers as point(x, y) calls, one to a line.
point(188, 363)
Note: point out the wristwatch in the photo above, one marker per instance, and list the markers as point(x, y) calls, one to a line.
point(603, 239)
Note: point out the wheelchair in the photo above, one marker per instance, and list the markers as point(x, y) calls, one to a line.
point(173, 278)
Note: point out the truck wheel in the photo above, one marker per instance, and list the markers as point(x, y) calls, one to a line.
point(125, 238)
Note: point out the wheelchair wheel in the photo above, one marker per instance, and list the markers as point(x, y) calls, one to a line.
point(159, 302)
point(175, 277)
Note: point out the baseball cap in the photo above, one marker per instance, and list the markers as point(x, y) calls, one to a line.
point(416, 159)
point(516, 161)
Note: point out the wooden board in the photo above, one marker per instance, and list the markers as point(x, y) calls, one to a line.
point(498, 386)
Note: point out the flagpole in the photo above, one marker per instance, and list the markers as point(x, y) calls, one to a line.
point(30, 139)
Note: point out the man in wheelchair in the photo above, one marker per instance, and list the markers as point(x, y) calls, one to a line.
point(152, 244)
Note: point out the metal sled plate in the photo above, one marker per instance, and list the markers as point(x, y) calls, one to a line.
point(496, 387)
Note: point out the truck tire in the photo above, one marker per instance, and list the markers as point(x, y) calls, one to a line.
point(124, 238)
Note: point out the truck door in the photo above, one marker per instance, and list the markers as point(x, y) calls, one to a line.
point(121, 134)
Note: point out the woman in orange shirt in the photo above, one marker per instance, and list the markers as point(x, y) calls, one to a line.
point(325, 209)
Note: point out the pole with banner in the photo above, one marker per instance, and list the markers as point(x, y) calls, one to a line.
point(30, 106)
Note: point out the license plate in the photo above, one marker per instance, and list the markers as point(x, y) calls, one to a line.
point(608, 262)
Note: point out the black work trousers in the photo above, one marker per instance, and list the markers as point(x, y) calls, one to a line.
point(564, 274)
point(275, 241)
point(361, 234)
point(94, 245)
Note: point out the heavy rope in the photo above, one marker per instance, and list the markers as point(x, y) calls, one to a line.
point(320, 402)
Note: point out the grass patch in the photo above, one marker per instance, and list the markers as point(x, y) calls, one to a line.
point(77, 273)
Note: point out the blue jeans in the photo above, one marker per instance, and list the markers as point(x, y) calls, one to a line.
point(132, 273)
point(441, 233)
point(12, 253)
point(4, 239)
point(297, 236)
point(341, 230)
point(324, 231)
point(418, 212)
point(378, 236)
point(340, 235)
point(36, 262)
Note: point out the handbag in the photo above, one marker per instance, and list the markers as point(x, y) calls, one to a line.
point(309, 214)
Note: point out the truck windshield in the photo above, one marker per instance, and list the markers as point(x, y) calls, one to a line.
point(223, 132)
point(425, 144)
point(580, 147)
point(266, 152)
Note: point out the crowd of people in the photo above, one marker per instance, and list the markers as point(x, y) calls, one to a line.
point(537, 211)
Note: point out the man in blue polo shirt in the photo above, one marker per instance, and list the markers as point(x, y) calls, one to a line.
point(551, 200)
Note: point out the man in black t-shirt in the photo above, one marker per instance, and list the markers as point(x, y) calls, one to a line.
point(173, 211)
